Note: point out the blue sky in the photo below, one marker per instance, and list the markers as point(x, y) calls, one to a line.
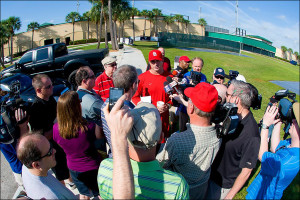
point(277, 21)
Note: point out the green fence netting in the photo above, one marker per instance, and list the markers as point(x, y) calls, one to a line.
point(188, 40)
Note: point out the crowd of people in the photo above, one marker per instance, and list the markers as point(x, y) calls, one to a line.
point(153, 143)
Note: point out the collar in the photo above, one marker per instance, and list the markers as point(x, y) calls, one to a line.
point(145, 166)
point(107, 77)
point(85, 90)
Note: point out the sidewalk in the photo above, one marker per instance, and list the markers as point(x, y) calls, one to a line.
point(128, 55)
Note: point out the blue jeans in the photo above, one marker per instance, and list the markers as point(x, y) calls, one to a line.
point(81, 186)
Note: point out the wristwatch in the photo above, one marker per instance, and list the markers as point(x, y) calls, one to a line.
point(264, 126)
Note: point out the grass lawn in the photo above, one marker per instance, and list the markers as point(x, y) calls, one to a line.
point(258, 70)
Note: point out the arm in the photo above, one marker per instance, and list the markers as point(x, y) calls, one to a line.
point(99, 132)
point(275, 138)
point(120, 123)
point(268, 119)
point(239, 182)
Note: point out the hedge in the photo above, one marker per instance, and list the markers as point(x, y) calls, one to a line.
point(85, 41)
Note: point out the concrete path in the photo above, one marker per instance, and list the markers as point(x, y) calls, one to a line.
point(127, 55)
point(292, 86)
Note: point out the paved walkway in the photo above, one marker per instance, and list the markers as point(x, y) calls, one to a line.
point(127, 55)
point(292, 86)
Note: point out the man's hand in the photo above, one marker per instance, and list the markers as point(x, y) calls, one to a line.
point(163, 108)
point(22, 120)
point(270, 114)
point(179, 98)
point(175, 79)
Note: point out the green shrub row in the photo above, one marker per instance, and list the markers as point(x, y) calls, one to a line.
point(85, 41)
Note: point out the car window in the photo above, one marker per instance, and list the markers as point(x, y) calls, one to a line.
point(60, 50)
point(26, 58)
point(42, 54)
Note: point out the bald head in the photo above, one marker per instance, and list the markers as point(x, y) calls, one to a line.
point(162, 50)
point(221, 91)
point(29, 150)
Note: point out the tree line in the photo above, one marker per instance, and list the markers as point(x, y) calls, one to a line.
point(102, 12)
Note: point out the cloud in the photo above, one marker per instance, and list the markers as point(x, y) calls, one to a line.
point(52, 21)
point(253, 9)
point(282, 17)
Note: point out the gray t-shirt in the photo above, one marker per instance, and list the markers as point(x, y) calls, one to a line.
point(47, 187)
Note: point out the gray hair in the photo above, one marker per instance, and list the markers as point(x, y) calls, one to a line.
point(244, 92)
point(198, 58)
point(124, 77)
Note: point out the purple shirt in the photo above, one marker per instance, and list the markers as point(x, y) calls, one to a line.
point(81, 153)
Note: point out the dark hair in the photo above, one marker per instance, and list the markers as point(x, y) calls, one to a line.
point(81, 74)
point(124, 77)
point(29, 152)
point(37, 80)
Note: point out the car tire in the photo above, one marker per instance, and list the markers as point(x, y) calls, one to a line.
point(72, 81)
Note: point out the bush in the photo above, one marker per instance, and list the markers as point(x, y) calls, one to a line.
point(282, 59)
point(85, 41)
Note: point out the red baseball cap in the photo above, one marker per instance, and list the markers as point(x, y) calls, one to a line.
point(204, 96)
point(155, 55)
point(185, 58)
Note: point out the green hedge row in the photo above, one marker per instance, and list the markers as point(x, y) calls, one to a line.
point(85, 41)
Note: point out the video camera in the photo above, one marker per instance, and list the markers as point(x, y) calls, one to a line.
point(225, 119)
point(8, 124)
point(285, 109)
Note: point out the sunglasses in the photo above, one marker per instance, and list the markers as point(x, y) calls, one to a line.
point(113, 64)
point(50, 152)
point(219, 77)
point(48, 87)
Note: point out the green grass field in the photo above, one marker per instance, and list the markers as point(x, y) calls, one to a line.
point(258, 70)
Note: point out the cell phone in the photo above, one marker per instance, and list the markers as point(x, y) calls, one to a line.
point(114, 95)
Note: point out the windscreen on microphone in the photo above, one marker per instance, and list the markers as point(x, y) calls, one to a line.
point(166, 83)
point(175, 73)
point(169, 79)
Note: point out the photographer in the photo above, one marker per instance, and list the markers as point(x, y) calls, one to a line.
point(279, 166)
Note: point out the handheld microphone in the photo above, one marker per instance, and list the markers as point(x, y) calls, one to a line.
point(173, 84)
point(168, 89)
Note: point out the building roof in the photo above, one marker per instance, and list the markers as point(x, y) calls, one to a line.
point(259, 37)
point(46, 24)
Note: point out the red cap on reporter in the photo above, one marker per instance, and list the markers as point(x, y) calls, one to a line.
point(204, 96)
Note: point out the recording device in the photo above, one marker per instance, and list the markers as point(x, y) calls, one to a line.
point(232, 75)
point(195, 77)
point(225, 119)
point(114, 95)
point(8, 123)
point(285, 109)
point(168, 89)
point(256, 101)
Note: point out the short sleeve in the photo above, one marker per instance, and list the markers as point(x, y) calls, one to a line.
point(250, 153)
point(270, 164)
point(183, 190)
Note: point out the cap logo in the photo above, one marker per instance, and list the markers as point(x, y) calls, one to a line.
point(220, 70)
point(154, 54)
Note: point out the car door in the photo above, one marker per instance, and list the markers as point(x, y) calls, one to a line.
point(25, 63)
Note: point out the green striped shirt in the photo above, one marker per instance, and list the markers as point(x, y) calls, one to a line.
point(150, 181)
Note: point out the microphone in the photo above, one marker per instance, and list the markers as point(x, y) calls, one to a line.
point(173, 84)
point(175, 73)
point(168, 89)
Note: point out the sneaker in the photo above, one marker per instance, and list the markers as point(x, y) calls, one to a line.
point(72, 185)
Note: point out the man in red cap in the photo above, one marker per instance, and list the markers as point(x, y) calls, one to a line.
point(192, 152)
point(182, 68)
point(151, 88)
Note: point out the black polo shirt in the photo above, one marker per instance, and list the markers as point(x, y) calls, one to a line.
point(238, 150)
point(42, 114)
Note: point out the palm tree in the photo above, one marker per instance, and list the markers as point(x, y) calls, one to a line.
point(4, 36)
point(32, 26)
point(151, 19)
point(73, 17)
point(186, 22)
point(284, 50)
point(297, 56)
point(117, 7)
point(124, 16)
point(169, 20)
point(291, 53)
point(13, 24)
point(202, 22)
point(178, 18)
point(134, 12)
point(87, 16)
point(144, 13)
point(157, 13)
point(111, 27)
